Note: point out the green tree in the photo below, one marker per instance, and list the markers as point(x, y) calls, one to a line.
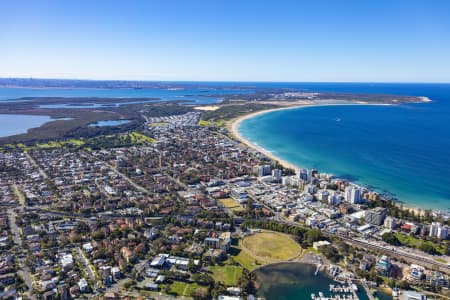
point(428, 247)
point(391, 238)
point(313, 235)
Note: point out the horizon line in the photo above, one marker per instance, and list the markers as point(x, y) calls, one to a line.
point(224, 81)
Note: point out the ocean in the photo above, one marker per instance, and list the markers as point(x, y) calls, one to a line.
point(402, 150)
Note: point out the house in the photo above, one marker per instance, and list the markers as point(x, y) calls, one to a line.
point(127, 254)
point(50, 295)
point(115, 272)
point(66, 261)
point(366, 263)
point(88, 247)
point(318, 244)
point(83, 285)
point(7, 279)
point(110, 296)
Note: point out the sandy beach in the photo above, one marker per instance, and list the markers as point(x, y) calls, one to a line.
point(207, 107)
point(234, 125)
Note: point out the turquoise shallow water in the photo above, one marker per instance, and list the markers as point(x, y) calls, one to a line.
point(402, 150)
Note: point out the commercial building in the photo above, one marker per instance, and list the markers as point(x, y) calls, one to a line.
point(352, 195)
point(383, 265)
point(276, 175)
point(438, 230)
point(390, 223)
point(376, 216)
point(262, 170)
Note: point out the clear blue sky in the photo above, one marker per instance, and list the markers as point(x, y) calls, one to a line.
point(351, 40)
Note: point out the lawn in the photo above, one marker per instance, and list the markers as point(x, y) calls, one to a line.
point(229, 203)
point(49, 145)
point(263, 248)
point(414, 242)
point(271, 246)
point(228, 274)
point(217, 123)
point(140, 138)
point(183, 289)
point(237, 209)
point(246, 260)
point(312, 250)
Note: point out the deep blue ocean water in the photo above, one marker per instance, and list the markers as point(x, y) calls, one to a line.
point(403, 150)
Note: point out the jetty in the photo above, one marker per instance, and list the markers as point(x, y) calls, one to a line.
point(353, 289)
point(339, 292)
point(366, 288)
point(336, 297)
point(317, 269)
point(340, 289)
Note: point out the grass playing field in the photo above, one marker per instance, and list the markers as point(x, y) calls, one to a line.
point(231, 204)
point(227, 274)
point(271, 246)
point(183, 289)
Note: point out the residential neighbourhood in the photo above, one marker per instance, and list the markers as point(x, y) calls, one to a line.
point(164, 219)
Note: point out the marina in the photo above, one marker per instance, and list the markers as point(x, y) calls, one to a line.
point(338, 292)
point(306, 281)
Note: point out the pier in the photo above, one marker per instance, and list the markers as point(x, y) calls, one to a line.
point(341, 292)
point(353, 289)
point(317, 269)
point(366, 288)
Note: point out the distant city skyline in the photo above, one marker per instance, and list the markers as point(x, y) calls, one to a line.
point(295, 41)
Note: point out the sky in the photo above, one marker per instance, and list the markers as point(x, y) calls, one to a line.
point(215, 40)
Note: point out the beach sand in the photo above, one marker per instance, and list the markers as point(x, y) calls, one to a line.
point(207, 108)
point(233, 126)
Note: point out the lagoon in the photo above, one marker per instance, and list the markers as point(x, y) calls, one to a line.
point(200, 95)
point(17, 124)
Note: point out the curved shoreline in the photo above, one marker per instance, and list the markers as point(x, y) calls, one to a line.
point(233, 126)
